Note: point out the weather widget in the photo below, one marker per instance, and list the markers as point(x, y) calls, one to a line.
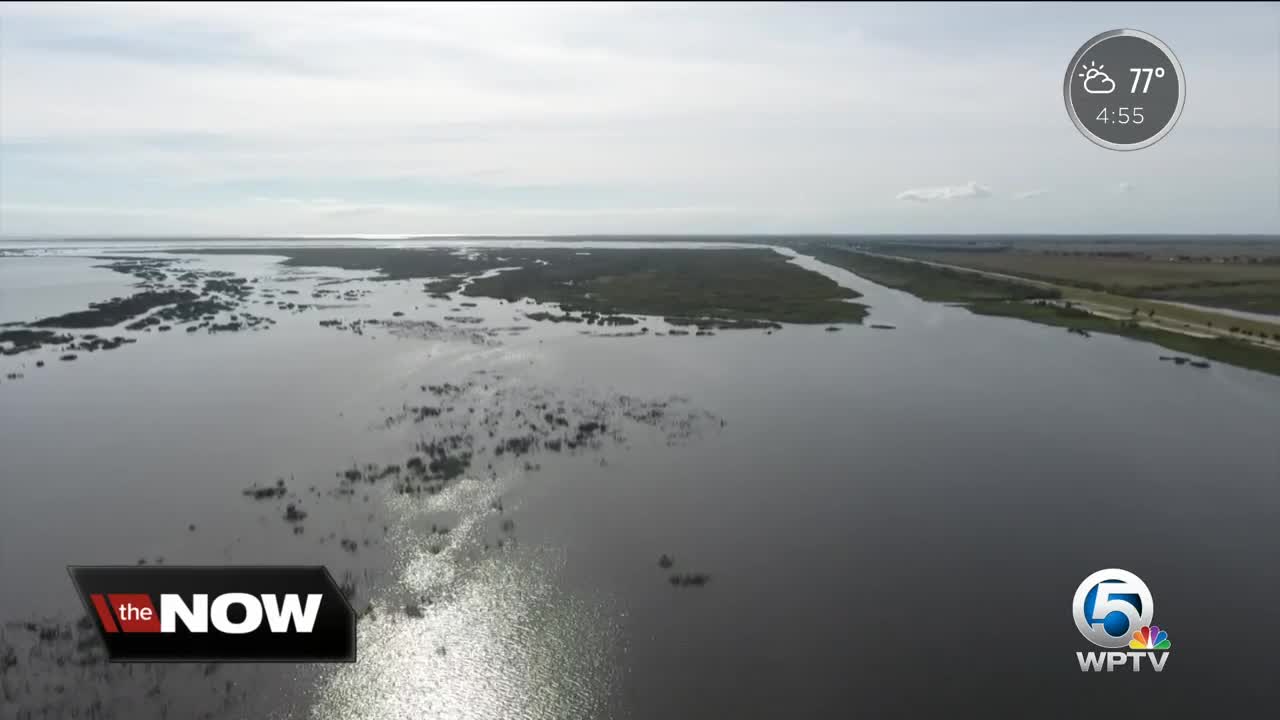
point(1124, 89)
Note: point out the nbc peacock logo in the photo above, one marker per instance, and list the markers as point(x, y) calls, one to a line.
point(1150, 638)
point(1113, 608)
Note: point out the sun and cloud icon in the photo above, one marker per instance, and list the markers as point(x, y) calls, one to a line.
point(1096, 82)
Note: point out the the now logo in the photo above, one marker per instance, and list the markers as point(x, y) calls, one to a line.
point(225, 614)
point(134, 612)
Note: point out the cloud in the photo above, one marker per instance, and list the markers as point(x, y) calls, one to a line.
point(968, 191)
point(1029, 194)
point(1104, 85)
point(289, 216)
point(1123, 188)
point(558, 118)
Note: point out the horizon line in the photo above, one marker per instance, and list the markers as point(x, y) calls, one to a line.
point(533, 236)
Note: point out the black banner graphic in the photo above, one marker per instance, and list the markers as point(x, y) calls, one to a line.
point(218, 613)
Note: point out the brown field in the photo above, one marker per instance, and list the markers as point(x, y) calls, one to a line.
point(1250, 283)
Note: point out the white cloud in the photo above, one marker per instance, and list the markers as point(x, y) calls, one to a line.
point(1123, 187)
point(1029, 194)
point(969, 190)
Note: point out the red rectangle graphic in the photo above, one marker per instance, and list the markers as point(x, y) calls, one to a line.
point(104, 613)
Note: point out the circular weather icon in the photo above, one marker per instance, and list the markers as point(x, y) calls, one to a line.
point(1124, 89)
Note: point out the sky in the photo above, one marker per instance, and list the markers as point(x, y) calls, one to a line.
point(369, 118)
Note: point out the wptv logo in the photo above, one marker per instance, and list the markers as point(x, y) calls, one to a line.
point(218, 614)
point(1113, 608)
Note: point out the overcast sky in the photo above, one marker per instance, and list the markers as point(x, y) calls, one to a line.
point(611, 118)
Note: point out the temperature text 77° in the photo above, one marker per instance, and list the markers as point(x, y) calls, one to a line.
point(1137, 75)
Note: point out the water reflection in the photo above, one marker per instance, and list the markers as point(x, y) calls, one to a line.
point(490, 638)
point(871, 488)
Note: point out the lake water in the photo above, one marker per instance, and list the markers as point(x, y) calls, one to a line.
point(893, 521)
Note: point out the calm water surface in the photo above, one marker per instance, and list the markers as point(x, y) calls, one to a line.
point(894, 521)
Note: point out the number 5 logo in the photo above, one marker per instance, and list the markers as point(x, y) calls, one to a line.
point(1109, 605)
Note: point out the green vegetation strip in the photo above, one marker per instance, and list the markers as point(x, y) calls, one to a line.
point(733, 285)
point(1232, 352)
point(1129, 283)
point(993, 296)
point(117, 310)
point(725, 284)
point(1251, 283)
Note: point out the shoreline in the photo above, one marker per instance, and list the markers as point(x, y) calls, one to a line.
point(1005, 295)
